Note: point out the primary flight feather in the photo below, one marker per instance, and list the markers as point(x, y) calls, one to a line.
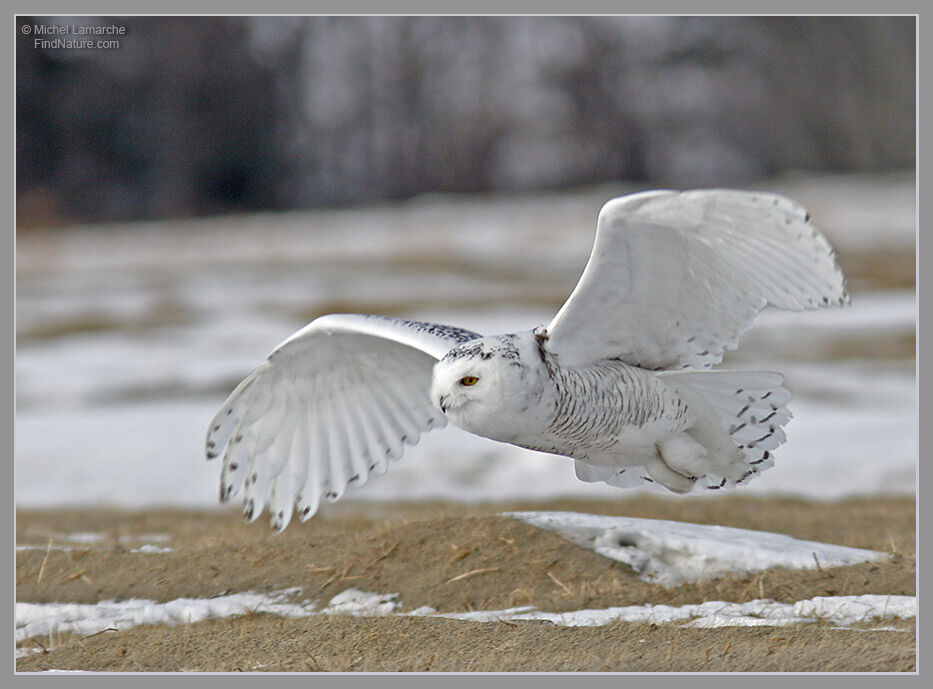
point(618, 380)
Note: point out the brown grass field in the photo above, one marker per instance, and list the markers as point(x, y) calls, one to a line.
point(456, 558)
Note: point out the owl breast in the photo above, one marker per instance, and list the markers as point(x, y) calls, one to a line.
point(605, 407)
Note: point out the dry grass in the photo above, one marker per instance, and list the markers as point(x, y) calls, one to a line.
point(453, 558)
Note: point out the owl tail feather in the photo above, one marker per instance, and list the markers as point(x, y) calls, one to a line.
point(751, 408)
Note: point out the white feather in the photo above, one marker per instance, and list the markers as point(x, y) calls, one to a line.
point(331, 401)
point(675, 277)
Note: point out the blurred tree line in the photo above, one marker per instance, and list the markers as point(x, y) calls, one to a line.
point(201, 115)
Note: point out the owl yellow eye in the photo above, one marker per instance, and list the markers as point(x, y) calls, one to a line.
point(469, 380)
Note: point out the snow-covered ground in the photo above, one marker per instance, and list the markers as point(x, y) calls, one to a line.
point(130, 337)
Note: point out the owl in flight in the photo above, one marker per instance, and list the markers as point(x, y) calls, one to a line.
point(619, 380)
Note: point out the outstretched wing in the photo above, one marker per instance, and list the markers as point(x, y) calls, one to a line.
point(332, 404)
point(675, 277)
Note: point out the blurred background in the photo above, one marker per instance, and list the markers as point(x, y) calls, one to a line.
point(203, 115)
point(197, 188)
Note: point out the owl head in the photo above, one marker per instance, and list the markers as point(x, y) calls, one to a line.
point(486, 384)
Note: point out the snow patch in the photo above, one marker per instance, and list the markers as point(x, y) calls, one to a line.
point(41, 619)
point(148, 542)
point(362, 604)
point(673, 553)
point(840, 610)
point(44, 619)
point(150, 549)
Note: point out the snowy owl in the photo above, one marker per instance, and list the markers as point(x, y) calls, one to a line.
point(617, 381)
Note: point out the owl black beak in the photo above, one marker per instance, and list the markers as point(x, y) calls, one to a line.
point(442, 403)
